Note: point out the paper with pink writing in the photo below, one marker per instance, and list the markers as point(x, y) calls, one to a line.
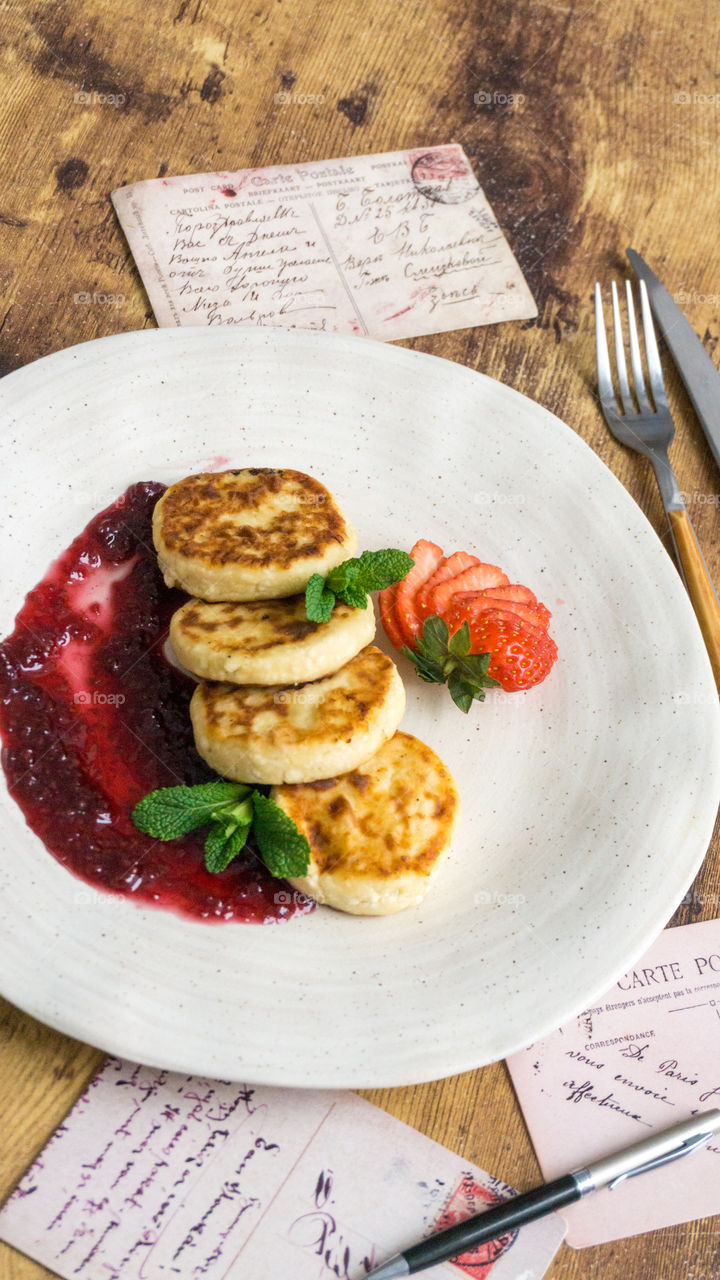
point(158, 1175)
point(385, 246)
point(645, 1056)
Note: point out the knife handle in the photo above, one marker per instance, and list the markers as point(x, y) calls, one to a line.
point(699, 585)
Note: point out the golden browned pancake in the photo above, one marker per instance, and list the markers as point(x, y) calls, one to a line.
point(267, 641)
point(253, 534)
point(377, 833)
point(297, 733)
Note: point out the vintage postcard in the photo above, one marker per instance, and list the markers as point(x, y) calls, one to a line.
point(384, 246)
point(158, 1175)
point(644, 1057)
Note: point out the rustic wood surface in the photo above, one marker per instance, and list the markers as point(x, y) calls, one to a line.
point(590, 125)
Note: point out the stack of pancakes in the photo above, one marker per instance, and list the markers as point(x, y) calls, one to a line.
point(309, 708)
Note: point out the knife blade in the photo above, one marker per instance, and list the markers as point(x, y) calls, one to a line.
point(697, 370)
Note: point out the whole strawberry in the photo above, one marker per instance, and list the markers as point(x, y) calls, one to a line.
point(521, 655)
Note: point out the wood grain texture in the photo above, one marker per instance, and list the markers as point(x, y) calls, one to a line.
point(590, 125)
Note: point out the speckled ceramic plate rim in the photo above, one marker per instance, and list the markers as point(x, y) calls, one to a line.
point(398, 1017)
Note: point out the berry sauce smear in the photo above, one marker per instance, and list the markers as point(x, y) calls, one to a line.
point(92, 717)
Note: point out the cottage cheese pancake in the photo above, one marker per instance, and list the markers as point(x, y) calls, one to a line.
point(378, 833)
point(267, 641)
point(298, 733)
point(254, 534)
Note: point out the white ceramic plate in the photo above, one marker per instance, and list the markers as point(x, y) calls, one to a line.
point(588, 802)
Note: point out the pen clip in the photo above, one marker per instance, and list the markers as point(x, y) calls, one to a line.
point(683, 1150)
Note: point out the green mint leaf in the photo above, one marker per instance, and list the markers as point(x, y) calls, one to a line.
point(461, 692)
point(459, 643)
point(237, 815)
point(353, 596)
point(372, 571)
point(221, 845)
point(319, 599)
point(379, 569)
point(171, 812)
point(343, 576)
point(283, 848)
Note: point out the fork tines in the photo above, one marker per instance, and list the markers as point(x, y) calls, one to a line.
point(605, 377)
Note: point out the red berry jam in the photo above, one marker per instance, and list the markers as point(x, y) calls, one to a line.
point(93, 716)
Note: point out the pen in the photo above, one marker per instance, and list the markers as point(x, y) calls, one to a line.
point(669, 1144)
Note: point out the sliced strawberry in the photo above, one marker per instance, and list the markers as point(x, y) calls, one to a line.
point(520, 655)
point(427, 557)
point(387, 600)
point(521, 595)
point(479, 578)
point(450, 567)
point(473, 604)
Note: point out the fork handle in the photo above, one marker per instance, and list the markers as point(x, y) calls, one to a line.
point(699, 585)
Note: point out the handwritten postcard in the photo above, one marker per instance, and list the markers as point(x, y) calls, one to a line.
point(645, 1056)
point(157, 1175)
point(385, 246)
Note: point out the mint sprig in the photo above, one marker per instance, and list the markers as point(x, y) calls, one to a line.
point(445, 659)
point(353, 580)
point(319, 602)
point(283, 848)
point(231, 811)
point(174, 811)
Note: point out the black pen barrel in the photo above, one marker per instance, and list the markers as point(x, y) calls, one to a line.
point(495, 1222)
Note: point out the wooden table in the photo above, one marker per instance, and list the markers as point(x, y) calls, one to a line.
point(590, 126)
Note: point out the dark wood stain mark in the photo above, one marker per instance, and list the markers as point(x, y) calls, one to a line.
point(212, 85)
point(66, 55)
point(9, 220)
point(287, 79)
point(71, 174)
point(521, 148)
point(7, 365)
point(355, 106)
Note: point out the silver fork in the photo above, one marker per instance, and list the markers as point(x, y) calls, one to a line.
point(650, 431)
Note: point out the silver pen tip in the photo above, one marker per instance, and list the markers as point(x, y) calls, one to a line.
point(392, 1270)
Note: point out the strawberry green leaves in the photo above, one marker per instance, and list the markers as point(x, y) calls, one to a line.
point(232, 812)
point(445, 659)
point(353, 580)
